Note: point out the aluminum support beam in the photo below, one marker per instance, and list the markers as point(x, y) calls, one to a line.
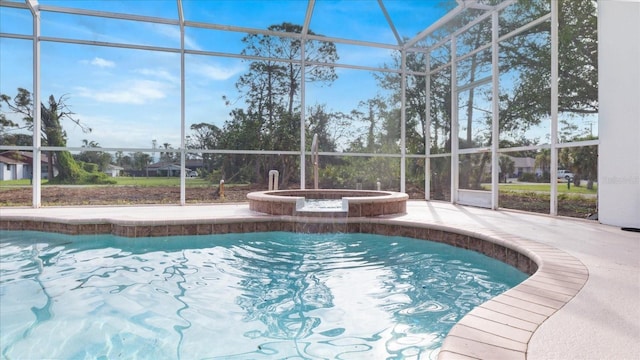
point(454, 124)
point(554, 109)
point(307, 18)
point(303, 142)
point(427, 131)
point(495, 111)
point(183, 159)
point(303, 65)
point(403, 120)
point(390, 22)
point(443, 20)
point(36, 174)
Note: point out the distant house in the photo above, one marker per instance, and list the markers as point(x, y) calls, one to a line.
point(170, 168)
point(18, 165)
point(194, 164)
point(11, 169)
point(524, 165)
point(163, 168)
point(113, 170)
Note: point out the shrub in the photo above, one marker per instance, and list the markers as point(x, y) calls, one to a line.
point(89, 167)
point(528, 177)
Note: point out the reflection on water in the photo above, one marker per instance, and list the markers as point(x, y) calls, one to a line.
point(236, 296)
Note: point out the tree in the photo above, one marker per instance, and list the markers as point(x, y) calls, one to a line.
point(326, 125)
point(242, 131)
point(525, 56)
point(100, 158)
point(543, 162)
point(282, 79)
point(7, 138)
point(473, 170)
point(53, 134)
point(529, 53)
point(440, 101)
point(119, 158)
point(582, 161)
point(271, 120)
point(206, 136)
point(372, 113)
point(507, 167)
point(139, 161)
point(168, 156)
point(415, 98)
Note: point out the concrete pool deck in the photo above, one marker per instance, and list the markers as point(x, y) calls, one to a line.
point(602, 321)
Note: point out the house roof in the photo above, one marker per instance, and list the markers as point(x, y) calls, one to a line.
point(24, 156)
point(159, 165)
point(523, 162)
point(8, 160)
point(190, 163)
point(164, 165)
point(170, 167)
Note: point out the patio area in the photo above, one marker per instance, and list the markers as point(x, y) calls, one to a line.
point(601, 321)
point(442, 101)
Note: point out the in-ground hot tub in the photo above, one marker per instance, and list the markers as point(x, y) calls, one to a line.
point(328, 202)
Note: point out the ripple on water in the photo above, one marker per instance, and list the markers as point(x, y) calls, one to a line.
point(236, 296)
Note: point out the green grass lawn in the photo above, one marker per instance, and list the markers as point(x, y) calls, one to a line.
point(21, 182)
point(562, 188)
point(174, 181)
point(160, 181)
point(126, 181)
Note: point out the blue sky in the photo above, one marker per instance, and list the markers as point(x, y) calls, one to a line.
point(129, 97)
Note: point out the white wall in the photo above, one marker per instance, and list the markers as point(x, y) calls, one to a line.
point(19, 171)
point(5, 174)
point(619, 122)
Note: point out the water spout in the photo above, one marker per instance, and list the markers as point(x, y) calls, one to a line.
point(314, 159)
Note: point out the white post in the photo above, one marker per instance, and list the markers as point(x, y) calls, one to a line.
point(495, 109)
point(273, 180)
point(37, 111)
point(553, 182)
point(303, 145)
point(314, 160)
point(403, 118)
point(182, 112)
point(454, 124)
point(427, 130)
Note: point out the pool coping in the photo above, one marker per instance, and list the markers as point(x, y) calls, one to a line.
point(356, 203)
point(499, 328)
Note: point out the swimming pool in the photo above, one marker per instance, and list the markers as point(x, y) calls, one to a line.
point(237, 296)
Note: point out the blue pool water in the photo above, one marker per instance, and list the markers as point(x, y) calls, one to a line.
point(272, 295)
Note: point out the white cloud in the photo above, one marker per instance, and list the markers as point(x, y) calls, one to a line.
point(100, 62)
point(160, 74)
point(131, 92)
point(111, 131)
point(218, 72)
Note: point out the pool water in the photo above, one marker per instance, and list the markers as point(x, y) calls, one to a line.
point(271, 295)
point(322, 205)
